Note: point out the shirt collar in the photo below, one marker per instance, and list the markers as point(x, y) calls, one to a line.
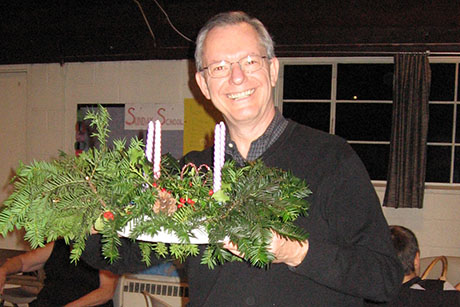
point(261, 144)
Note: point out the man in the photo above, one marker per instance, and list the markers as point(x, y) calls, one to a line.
point(406, 246)
point(348, 256)
point(415, 291)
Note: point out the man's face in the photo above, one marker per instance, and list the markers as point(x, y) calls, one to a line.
point(241, 97)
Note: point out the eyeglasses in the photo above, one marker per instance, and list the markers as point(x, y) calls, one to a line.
point(248, 64)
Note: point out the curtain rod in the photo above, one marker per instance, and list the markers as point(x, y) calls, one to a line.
point(442, 53)
point(430, 53)
point(386, 48)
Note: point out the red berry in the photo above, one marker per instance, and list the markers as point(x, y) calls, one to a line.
point(190, 201)
point(182, 200)
point(179, 206)
point(211, 192)
point(108, 215)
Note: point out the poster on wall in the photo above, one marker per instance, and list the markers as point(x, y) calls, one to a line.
point(131, 120)
point(199, 123)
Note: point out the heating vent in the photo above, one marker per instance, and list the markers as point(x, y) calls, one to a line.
point(156, 289)
point(169, 289)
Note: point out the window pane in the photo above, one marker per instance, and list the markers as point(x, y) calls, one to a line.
point(442, 82)
point(375, 158)
point(307, 82)
point(364, 121)
point(438, 164)
point(365, 81)
point(315, 115)
point(457, 165)
point(440, 123)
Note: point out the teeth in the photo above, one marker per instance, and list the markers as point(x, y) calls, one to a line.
point(241, 94)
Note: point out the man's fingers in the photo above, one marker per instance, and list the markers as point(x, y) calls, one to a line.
point(232, 247)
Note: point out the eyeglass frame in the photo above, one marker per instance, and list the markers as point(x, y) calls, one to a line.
point(236, 62)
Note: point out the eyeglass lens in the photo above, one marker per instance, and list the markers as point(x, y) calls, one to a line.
point(248, 64)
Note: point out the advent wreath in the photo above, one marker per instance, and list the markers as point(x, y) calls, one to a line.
point(114, 190)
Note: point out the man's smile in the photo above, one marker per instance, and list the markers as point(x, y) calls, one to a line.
point(241, 95)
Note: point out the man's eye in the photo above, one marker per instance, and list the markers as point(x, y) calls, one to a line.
point(219, 68)
point(250, 62)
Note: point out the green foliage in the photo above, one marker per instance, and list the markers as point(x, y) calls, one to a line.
point(107, 189)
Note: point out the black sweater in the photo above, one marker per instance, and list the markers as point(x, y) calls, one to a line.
point(350, 255)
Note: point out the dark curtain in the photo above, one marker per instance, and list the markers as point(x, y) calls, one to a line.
point(407, 163)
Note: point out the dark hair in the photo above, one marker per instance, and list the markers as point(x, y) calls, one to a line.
point(406, 246)
point(232, 18)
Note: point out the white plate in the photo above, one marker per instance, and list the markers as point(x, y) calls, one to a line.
point(200, 236)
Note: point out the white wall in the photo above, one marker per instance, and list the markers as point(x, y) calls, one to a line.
point(436, 225)
point(41, 121)
point(53, 91)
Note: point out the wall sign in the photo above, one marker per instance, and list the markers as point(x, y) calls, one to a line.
point(138, 115)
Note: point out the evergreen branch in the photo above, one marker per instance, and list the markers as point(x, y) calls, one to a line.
point(108, 189)
point(93, 188)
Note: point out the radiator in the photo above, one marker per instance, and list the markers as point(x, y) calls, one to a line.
point(169, 289)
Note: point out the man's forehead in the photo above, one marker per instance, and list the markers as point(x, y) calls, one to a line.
point(213, 51)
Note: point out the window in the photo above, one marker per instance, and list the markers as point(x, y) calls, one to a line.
point(443, 154)
point(352, 98)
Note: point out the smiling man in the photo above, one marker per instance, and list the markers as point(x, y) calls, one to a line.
point(238, 78)
point(349, 256)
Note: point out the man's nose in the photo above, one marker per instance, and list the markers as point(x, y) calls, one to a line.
point(237, 74)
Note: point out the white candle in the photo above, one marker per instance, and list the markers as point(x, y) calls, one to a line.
point(157, 151)
point(149, 145)
point(216, 174)
point(222, 144)
point(219, 155)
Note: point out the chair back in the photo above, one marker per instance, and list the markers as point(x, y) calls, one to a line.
point(444, 262)
point(29, 283)
point(153, 301)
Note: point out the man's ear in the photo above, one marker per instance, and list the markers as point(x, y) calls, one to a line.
point(417, 263)
point(201, 81)
point(274, 68)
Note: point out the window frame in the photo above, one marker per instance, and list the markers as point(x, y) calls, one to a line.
point(334, 61)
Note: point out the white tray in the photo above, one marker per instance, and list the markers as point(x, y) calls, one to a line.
point(200, 235)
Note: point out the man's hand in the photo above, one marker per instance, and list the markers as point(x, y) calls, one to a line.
point(285, 251)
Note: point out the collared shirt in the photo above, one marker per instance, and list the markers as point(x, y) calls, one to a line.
point(260, 145)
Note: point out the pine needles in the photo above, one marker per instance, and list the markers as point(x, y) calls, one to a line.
point(107, 188)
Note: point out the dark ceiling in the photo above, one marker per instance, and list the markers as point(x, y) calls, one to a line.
point(63, 31)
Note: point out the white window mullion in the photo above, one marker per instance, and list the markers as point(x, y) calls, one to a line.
point(333, 99)
point(454, 126)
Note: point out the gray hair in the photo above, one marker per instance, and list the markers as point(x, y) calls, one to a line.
point(232, 18)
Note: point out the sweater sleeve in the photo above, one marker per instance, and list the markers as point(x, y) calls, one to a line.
point(352, 253)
